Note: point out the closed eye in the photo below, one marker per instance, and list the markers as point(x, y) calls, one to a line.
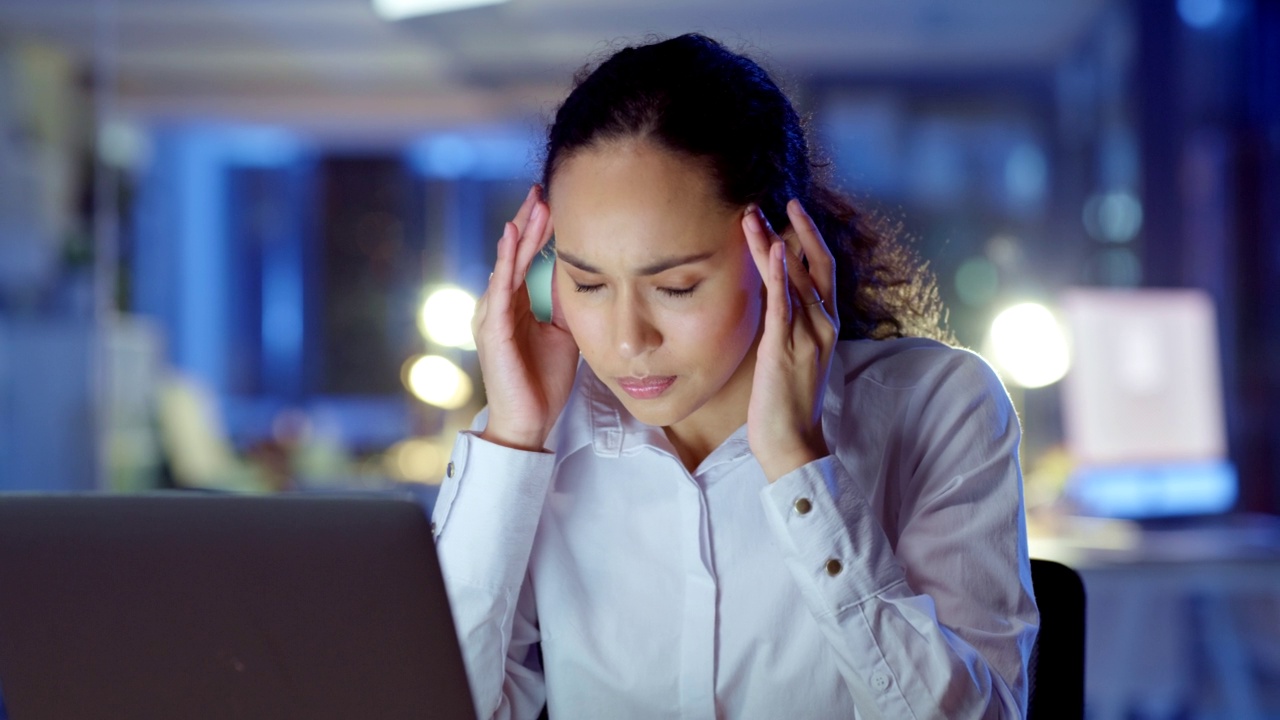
point(669, 292)
point(680, 292)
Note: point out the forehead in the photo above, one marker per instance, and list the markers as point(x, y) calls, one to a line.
point(629, 202)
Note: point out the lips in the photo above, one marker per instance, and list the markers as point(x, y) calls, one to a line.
point(646, 388)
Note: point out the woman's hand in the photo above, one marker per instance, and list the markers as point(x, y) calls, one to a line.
point(784, 417)
point(528, 366)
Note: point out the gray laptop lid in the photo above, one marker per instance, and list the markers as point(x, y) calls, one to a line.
point(196, 606)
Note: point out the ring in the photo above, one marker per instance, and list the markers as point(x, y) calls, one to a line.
point(811, 304)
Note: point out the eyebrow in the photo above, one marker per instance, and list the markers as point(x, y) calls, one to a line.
point(651, 269)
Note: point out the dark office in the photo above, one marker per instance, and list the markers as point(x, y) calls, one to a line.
point(608, 359)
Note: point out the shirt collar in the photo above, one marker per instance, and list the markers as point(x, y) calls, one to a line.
point(595, 418)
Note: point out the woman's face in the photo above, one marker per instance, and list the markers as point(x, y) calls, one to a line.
point(656, 283)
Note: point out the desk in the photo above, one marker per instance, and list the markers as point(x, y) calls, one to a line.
point(1161, 609)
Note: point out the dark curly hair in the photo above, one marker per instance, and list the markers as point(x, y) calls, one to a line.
point(693, 96)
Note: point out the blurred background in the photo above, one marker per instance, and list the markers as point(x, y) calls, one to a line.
point(240, 242)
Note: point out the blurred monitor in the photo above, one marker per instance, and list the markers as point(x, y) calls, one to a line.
point(1142, 404)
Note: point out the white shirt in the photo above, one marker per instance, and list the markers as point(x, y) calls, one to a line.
point(888, 580)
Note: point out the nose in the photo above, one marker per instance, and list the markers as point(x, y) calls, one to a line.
point(634, 331)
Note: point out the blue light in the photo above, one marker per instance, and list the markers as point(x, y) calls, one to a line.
point(282, 315)
point(451, 156)
point(1202, 14)
point(1138, 491)
point(182, 255)
point(493, 154)
point(1025, 174)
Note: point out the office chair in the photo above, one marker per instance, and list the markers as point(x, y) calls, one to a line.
point(1057, 660)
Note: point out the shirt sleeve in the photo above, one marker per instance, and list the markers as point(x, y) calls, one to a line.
point(485, 520)
point(940, 623)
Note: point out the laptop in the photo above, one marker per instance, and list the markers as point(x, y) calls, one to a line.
point(201, 606)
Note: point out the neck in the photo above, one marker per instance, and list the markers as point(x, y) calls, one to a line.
point(692, 450)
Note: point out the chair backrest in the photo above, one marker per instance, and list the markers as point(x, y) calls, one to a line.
point(1057, 661)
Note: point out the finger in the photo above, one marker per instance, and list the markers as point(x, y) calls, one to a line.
point(531, 242)
point(526, 208)
point(806, 293)
point(806, 310)
point(762, 240)
point(500, 282)
point(549, 229)
point(756, 242)
point(821, 264)
point(779, 300)
point(477, 318)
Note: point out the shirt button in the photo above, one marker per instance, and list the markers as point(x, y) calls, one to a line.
point(448, 470)
point(803, 506)
point(433, 528)
point(834, 567)
point(880, 681)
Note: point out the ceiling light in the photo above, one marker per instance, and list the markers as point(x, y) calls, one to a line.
point(400, 9)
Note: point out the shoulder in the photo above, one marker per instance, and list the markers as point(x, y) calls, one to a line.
point(921, 387)
point(914, 363)
point(927, 413)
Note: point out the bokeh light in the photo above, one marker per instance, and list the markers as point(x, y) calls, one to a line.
point(392, 10)
point(450, 155)
point(437, 381)
point(977, 281)
point(1026, 173)
point(1028, 346)
point(1201, 14)
point(415, 459)
point(1113, 217)
point(1117, 267)
point(445, 318)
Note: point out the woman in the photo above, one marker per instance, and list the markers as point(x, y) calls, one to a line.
point(720, 483)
